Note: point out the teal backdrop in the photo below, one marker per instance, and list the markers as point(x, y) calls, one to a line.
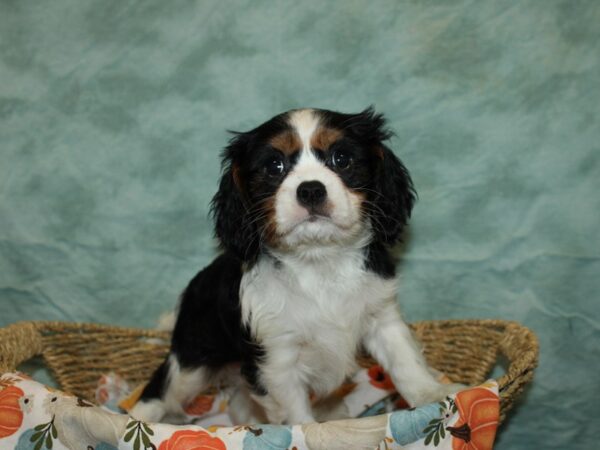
point(113, 114)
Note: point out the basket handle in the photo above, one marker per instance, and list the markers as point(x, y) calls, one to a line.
point(18, 342)
point(520, 346)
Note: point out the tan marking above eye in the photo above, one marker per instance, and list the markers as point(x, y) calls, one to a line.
point(287, 142)
point(323, 138)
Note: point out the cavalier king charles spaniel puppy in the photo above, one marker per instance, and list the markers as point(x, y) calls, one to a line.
point(309, 206)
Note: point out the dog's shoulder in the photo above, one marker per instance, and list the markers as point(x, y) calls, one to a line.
point(208, 329)
point(224, 268)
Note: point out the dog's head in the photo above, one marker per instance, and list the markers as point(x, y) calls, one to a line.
point(310, 178)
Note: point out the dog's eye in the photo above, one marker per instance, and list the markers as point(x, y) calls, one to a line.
point(341, 160)
point(274, 167)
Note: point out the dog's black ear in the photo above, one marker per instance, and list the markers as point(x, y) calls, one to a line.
point(368, 126)
point(230, 209)
point(394, 197)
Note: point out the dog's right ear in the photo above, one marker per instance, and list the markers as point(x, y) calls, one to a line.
point(230, 207)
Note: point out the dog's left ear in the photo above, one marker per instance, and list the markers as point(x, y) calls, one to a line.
point(394, 198)
point(234, 229)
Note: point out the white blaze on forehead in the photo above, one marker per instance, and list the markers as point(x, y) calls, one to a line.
point(305, 122)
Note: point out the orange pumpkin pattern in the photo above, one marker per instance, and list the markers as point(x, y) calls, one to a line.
point(476, 427)
point(200, 405)
point(192, 440)
point(380, 378)
point(11, 416)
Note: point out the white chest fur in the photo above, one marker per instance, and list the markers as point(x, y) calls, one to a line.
point(309, 313)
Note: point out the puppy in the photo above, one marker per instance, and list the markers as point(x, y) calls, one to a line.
point(308, 207)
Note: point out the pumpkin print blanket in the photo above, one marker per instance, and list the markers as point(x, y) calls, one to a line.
point(37, 417)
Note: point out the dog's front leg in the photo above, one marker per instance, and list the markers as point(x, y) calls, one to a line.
point(287, 397)
point(391, 343)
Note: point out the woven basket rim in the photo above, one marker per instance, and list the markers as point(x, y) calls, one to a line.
point(24, 340)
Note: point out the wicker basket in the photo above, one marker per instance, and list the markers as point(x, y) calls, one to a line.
point(77, 353)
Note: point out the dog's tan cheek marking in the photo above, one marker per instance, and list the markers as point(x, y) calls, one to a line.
point(287, 142)
point(328, 206)
point(269, 233)
point(323, 138)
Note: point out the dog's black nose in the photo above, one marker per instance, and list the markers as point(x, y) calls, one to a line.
point(311, 193)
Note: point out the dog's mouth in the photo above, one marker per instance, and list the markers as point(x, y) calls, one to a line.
point(318, 212)
point(317, 224)
point(318, 231)
point(324, 223)
point(316, 216)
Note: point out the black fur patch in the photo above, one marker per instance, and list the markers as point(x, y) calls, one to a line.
point(209, 331)
point(379, 260)
point(156, 386)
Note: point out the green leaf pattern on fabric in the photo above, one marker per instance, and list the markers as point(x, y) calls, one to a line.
point(44, 435)
point(142, 433)
point(435, 430)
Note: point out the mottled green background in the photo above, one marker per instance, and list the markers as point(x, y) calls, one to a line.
point(113, 113)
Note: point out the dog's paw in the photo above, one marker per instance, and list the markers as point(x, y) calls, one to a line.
point(434, 393)
point(148, 411)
